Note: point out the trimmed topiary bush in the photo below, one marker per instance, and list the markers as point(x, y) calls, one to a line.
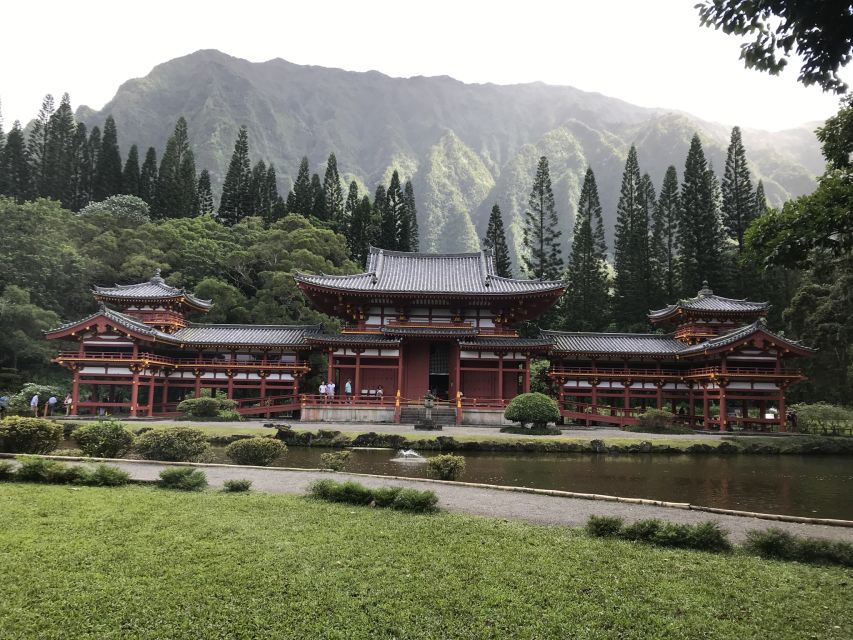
point(414, 500)
point(334, 461)
point(29, 435)
point(207, 407)
point(104, 439)
point(535, 409)
point(183, 479)
point(173, 444)
point(446, 466)
point(237, 485)
point(255, 451)
point(604, 526)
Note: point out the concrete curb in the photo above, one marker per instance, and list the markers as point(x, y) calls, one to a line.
point(830, 522)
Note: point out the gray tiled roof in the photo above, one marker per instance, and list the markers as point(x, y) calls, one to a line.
point(621, 343)
point(705, 300)
point(740, 334)
point(245, 334)
point(120, 319)
point(402, 272)
point(488, 342)
point(156, 288)
point(430, 331)
point(354, 338)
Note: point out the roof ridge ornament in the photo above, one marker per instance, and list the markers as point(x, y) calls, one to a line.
point(705, 291)
point(157, 279)
point(102, 307)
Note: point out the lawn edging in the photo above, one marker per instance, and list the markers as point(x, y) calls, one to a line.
point(685, 506)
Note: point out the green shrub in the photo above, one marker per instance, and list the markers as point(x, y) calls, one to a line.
point(324, 490)
point(642, 530)
point(228, 415)
point(255, 451)
point(29, 435)
point(105, 475)
point(708, 536)
point(205, 406)
point(234, 486)
point(823, 418)
point(7, 470)
point(354, 493)
point(414, 500)
point(20, 402)
point(446, 466)
point(335, 460)
point(385, 496)
point(781, 545)
point(532, 408)
point(657, 421)
point(34, 469)
point(173, 444)
point(604, 526)
point(183, 479)
point(104, 439)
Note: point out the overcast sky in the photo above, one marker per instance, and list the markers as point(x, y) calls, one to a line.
point(651, 53)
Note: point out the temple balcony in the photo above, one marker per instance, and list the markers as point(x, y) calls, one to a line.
point(152, 359)
point(677, 375)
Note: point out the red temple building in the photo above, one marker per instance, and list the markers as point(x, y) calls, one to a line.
point(719, 367)
point(416, 322)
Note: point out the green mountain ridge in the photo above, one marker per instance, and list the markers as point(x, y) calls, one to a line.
point(464, 146)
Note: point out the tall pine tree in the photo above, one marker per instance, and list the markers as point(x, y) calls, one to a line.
point(148, 177)
point(37, 146)
point(59, 151)
point(495, 241)
point(350, 207)
point(394, 231)
point(205, 194)
point(177, 183)
point(130, 174)
point(334, 194)
point(542, 255)
point(411, 211)
point(384, 236)
point(664, 241)
point(738, 197)
point(81, 169)
point(94, 154)
point(586, 303)
point(760, 200)
point(108, 167)
point(361, 231)
point(303, 195)
point(318, 199)
point(631, 251)
point(16, 166)
point(237, 199)
point(699, 236)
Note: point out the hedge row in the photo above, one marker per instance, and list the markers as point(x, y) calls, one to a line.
point(34, 469)
point(391, 497)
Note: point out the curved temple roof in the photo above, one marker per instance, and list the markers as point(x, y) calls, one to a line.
point(404, 272)
point(705, 300)
point(155, 289)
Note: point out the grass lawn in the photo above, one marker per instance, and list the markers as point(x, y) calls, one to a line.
point(139, 562)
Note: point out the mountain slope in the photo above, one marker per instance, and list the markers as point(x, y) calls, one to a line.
point(464, 146)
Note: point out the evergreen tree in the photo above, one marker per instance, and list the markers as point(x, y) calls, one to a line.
point(361, 231)
point(59, 151)
point(631, 254)
point(699, 236)
point(382, 235)
point(37, 146)
point(585, 306)
point(303, 195)
point(148, 177)
point(412, 215)
point(237, 200)
point(290, 203)
point(394, 230)
point(318, 199)
point(542, 256)
point(82, 169)
point(275, 210)
point(760, 200)
point(130, 175)
point(654, 275)
point(350, 208)
point(16, 166)
point(260, 203)
point(94, 151)
point(205, 194)
point(495, 241)
point(108, 167)
point(334, 194)
point(738, 198)
point(2, 147)
point(177, 195)
point(664, 240)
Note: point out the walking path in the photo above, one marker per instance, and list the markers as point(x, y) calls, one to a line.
point(493, 503)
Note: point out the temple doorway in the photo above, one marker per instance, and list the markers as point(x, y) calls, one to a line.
point(439, 369)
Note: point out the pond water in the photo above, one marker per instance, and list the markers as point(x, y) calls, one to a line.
point(814, 486)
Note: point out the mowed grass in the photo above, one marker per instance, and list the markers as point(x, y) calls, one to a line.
point(138, 562)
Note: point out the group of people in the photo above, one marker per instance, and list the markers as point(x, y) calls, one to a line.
point(50, 405)
point(327, 390)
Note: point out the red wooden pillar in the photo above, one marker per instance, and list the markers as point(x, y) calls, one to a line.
point(197, 383)
point(526, 386)
point(134, 392)
point(723, 408)
point(782, 416)
point(263, 376)
point(75, 392)
point(230, 385)
point(659, 397)
point(356, 392)
point(165, 398)
point(705, 409)
point(501, 377)
point(400, 369)
point(151, 389)
point(331, 360)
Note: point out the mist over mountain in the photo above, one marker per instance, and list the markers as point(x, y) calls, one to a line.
point(465, 146)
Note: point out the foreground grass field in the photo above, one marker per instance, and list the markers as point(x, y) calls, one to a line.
point(139, 562)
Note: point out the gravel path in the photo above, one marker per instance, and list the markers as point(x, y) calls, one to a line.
point(495, 503)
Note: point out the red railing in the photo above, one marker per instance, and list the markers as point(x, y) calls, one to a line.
point(669, 373)
point(146, 358)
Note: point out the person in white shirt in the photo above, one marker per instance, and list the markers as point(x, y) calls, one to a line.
point(34, 405)
point(330, 387)
point(323, 391)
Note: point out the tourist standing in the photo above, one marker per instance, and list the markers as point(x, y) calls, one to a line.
point(324, 391)
point(4, 402)
point(330, 388)
point(348, 390)
point(51, 405)
point(68, 402)
point(34, 405)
